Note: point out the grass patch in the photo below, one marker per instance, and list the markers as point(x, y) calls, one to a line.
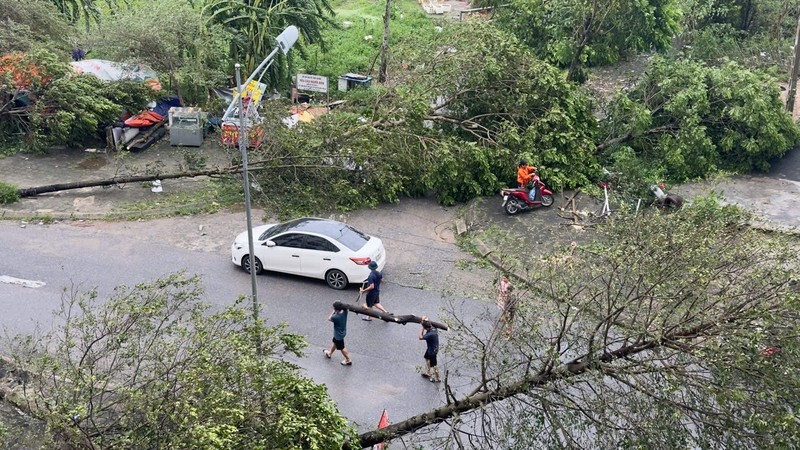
point(219, 194)
point(504, 244)
point(354, 48)
point(468, 264)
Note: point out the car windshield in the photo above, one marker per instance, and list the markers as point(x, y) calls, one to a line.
point(340, 232)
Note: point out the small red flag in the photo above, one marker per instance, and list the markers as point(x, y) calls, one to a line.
point(383, 423)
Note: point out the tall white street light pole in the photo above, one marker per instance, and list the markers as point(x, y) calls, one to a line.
point(285, 41)
point(243, 151)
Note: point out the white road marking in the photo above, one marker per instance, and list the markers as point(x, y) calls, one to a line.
point(24, 283)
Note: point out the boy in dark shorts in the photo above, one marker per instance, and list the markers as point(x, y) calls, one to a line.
point(339, 319)
point(431, 337)
point(373, 289)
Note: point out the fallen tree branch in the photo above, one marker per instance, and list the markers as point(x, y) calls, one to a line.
point(571, 369)
point(402, 320)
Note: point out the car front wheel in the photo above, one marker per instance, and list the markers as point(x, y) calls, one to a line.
point(336, 279)
point(246, 264)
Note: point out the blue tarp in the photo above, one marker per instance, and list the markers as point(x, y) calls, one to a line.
point(163, 105)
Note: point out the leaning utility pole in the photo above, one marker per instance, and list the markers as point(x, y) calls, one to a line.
point(790, 96)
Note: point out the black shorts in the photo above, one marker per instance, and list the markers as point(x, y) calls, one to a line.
point(431, 358)
point(373, 299)
point(338, 343)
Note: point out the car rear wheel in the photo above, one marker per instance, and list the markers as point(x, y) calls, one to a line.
point(336, 279)
point(246, 264)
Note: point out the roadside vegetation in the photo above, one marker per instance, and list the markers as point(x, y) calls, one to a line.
point(665, 331)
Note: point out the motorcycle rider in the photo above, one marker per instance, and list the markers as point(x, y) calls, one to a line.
point(525, 176)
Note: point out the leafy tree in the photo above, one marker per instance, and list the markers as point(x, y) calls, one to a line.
point(687, 120)
point(670, 331)
point(255, 24)
point(191, 53)
point(755, 34)
point(576, 33)
point(43, 103)
point(89, 11)
point(153, 367)
point(445, 126)
point(743, 15)
point(31, 24)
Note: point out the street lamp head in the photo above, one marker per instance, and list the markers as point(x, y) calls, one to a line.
point(237, 65)
point(287, 38)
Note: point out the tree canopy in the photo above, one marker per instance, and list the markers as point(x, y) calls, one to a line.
point(670, 330)
point(190, 53)
point(29, 25)
point(154, 367)
point(446, 127)
point(686, 119)
point(577, 33)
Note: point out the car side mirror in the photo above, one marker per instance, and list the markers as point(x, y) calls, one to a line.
point(269, 244)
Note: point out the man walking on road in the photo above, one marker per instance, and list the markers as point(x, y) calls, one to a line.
point(431, 337)
point(373, 289)
point(339, 319)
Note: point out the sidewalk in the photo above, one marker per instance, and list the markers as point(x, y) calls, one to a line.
point(71, 165)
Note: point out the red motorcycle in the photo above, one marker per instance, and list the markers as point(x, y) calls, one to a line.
point(517, 199)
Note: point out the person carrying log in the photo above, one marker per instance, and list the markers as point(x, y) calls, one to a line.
point(431, 337)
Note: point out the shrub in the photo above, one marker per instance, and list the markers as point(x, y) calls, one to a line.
point(8, 193)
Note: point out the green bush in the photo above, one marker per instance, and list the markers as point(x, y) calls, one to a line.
point(54, 106)
point(688, 120)
point(8, 193)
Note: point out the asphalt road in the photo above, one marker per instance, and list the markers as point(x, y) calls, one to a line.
point(386, 356)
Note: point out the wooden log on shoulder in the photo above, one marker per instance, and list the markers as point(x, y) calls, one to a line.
point(399, 319)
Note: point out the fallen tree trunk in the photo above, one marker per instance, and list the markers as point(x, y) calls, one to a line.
point(254, 166)
point(525, 384)
point(30, 192)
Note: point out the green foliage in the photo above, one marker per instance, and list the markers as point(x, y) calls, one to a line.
point(650, 337)
point(462, 171)
point(49, 105)
point(754, 34)
point(575, 33)
point(687, 120)
point(8, 193)
point(191, 54)
point(85, 11)
point(352, 47)
point(153, 367)
point(27, 25)
point(751, 17)
point(254, 24)
point(512, 102)
point(447, 127)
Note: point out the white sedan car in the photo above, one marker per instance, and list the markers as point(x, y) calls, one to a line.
point(316, 248)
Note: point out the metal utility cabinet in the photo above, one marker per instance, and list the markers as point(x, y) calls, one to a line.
point(351, 80)
point(186, 126)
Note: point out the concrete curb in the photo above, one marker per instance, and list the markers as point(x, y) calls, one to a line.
point(32, 216)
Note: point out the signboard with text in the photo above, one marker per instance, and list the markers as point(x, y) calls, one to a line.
point(315, 83)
